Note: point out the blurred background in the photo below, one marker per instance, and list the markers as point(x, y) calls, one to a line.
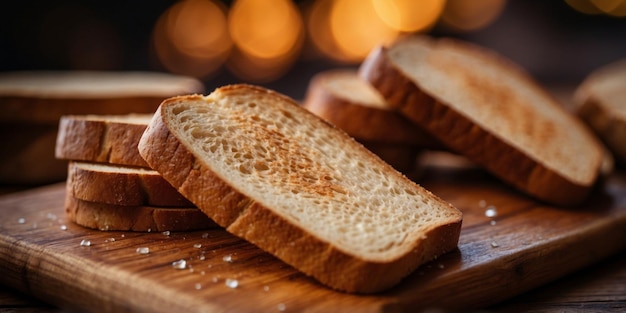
point(280, 44)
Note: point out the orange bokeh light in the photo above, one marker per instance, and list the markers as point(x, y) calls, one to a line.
point(471, 15)
point(409, 15)
point(268, 35)
point(191, 37)
point(356, 29)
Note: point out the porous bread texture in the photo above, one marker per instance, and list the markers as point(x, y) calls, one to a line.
point(350, 103)
point(121, 185)
point(488, 109)
point(601, 103)
point(110, 139)
point(274, 174)
point(108, 217)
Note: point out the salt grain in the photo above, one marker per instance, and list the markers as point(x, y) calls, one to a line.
point(282, 307)
point(491, 211)
point(21, 220)
point(215, 279)
point(110, 240)
point(166, 233)
point(198, 286)
point(197, 246)
point(493, 223)
point(232, 283)
point(143, 250)
point(85, 243)
point(228, 258)
point(63, 227)
point(494, 244)
point(180, 264)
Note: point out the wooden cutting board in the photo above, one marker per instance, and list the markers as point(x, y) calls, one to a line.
point(525, 245)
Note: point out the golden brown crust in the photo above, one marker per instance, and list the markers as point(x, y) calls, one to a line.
point(102, 140)
point(119, 186)
point(362, 121)
point(248, 219)
point(465, 137)
point(109, 217)
point(599, 101)
point(44, 96)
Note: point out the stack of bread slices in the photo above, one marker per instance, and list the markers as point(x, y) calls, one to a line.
point(109, 185)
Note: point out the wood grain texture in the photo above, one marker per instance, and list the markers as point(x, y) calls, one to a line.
point(529, 245)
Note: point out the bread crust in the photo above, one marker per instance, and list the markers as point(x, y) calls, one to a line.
point(44, 96)
point(600, 103)
point(362, 121)
point(464, 136)
point(108, 217)
point(248, 219)
point(122, 186)
point(101, 139)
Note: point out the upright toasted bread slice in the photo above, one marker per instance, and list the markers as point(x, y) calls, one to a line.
point(110, 139)
point(483, 106)
point(601, 103)
point(278, 176)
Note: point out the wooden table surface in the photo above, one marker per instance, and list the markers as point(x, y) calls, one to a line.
point(598, 288)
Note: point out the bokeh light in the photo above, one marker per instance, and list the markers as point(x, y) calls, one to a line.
point(268, 35)
point(191, 37)
point(409, 15)
point(471, 15)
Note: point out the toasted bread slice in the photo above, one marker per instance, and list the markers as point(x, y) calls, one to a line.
point(108, 217)
point(601, 102)
point(45, 96)
point(108, 139)
point(350, 103)
point(278, 176)
point(483, 106)
point(121, 185)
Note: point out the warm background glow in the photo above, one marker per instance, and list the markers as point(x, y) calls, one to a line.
point(268, 34)
point(191, 37)
point(261, 40)
point(615, 8)
point(471, 15)
point(409, 15)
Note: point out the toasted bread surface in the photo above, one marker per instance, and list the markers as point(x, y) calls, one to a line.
point(276, 175)
point(485, 107)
